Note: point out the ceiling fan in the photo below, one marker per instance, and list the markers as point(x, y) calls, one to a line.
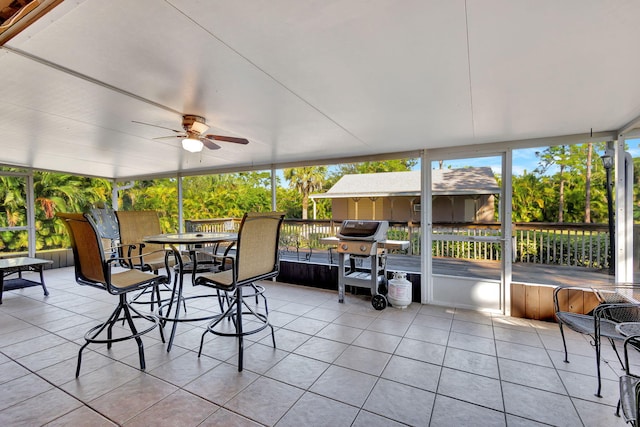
point(193, 137)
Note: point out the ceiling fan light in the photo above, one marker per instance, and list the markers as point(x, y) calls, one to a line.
point(199, 127)
point(192, 145)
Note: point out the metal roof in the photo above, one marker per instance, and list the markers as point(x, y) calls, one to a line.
point(445, 182)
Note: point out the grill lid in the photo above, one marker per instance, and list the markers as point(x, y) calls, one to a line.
point(363, 230)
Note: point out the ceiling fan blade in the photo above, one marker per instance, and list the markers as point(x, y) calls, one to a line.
point(210, 144)
point(171, 137)
point(157, 126)
point(228, 139)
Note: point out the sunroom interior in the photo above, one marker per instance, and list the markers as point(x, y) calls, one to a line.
point(101, 89)
point(83, 82)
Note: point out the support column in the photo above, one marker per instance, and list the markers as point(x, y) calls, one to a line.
point(31, 213)
point(356, 200)
point(623, 208)
point(180, 200)
point(373, 207)
point(274, 183)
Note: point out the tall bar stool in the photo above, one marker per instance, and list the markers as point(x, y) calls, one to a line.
point(256, 258)
point(92, 268)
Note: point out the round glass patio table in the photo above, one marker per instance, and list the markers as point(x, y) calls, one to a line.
point(190, 240)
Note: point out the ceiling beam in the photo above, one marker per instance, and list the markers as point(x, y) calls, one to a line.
point(23, 16)
point(633, 124)
point(87, 78)
point(467, 151)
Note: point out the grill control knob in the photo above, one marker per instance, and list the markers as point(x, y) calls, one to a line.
point(363, 248)
point(345, 246)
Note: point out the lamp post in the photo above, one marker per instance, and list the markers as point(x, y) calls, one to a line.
point(607, 161)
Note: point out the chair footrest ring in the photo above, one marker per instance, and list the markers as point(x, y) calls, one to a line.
point(261, 317)
point(91, 337)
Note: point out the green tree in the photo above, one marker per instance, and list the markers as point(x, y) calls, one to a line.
point(584, 170)
point(306, 180)
point(636, 189)
point(558, 156)
point(587, 192)
point(527, 198)
point(226, 195)
point(53, 193)
point(395, 165)
point(289, 202)
point(56, 192)
point(14, 201)
point(577, 184)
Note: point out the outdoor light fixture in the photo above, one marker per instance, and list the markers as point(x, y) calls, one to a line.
point(607, 159)
point(607, 162)
point(191, 144)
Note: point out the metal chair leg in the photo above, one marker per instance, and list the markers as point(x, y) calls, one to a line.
point(225, 315)
point(564, 343)
point(598, 351)
point(80, 358)
point(236, 307)
point(126, 310)
point(239, 327)
point(132, 326)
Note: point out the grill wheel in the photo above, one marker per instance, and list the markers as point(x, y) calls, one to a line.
point(379, 302)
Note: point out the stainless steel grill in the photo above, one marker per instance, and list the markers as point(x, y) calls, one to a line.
point(358, 243)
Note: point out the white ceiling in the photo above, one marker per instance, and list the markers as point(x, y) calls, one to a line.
point(309, 80)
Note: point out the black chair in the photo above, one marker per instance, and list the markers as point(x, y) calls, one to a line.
point(615, 305)
point(256, 258)
point(107, 224)
point(630, 386)
point(205, 257)
point(92, 268)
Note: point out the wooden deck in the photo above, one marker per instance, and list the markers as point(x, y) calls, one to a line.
point(531, 285)
point(526, 273)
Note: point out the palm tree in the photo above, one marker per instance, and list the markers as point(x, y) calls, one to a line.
point(558, 156)
point(13, 201)
point(587, 197)
point(306, 180)
point(527, 198)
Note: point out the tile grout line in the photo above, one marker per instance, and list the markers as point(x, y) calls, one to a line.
point(56, 387)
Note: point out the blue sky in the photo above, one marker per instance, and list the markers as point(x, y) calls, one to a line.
point(524, 159)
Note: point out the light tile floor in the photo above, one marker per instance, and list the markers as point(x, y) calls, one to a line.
point(335, 365)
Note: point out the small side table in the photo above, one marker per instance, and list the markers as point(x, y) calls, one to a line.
point(10, 266)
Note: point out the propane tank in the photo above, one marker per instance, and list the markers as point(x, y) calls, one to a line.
point(400, 290)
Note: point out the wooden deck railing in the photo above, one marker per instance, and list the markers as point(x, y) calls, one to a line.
point(579, 245)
